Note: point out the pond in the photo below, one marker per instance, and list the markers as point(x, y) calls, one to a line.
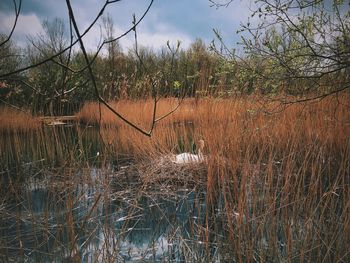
point(82, 194)
point(64, 199)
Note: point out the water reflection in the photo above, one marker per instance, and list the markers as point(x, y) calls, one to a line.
point(52, 211)
point(85, 219)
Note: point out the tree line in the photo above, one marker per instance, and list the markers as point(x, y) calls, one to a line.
point(195, 71)
point(298, 48)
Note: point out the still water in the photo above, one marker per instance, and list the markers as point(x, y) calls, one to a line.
point(63, 200)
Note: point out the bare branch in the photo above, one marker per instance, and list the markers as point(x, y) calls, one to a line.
point(51, 58)
point(17, 12)
point(92, 76)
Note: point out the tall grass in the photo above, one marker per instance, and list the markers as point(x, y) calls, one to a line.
point(280, 180)
point(276, 185)
point(13, 120)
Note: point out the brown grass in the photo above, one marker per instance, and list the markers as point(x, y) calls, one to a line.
point(14, 120)
point(228, 126)
point(277, 185)
point(283, 178)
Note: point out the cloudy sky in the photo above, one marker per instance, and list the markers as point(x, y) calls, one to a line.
point(171, 20)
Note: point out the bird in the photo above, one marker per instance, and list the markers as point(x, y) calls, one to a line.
point(185, 158)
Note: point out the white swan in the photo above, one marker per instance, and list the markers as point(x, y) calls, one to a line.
point(185, 158)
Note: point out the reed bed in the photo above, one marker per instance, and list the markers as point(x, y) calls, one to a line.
point(12, 120)
point(274, 186)
point(281, 179)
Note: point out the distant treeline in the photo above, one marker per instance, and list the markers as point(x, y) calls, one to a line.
point(52, 88)
point(286, 58)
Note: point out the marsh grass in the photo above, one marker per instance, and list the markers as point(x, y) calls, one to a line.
point(273, 188)
point(12, 120)
point(281, 180)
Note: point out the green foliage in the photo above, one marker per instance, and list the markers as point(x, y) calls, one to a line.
point(297, 42)
point(293, 47)
point(51, 89)
point(10, 60)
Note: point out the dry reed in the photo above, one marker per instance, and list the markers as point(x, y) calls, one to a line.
point(15, 120)
point(283, 178)
point(276, 185)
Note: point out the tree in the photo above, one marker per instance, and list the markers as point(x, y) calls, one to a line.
point(9, 60)
point(50, 80)
point(202, 65)
point(114, 53)
point(300, 47)
point(57, 58)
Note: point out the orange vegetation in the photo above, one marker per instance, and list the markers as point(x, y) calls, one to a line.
point(14, 120)
point(227, 125)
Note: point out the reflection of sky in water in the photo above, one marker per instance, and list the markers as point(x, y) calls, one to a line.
point(103, 215)
point(146, 228)
point(128, 251)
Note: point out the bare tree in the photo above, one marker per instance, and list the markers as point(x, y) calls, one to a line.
point(61, 55)
point(113, 54)
point(300, 47)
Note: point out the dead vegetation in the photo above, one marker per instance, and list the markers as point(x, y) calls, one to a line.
point(274, 187)
point(14, 120)
point(285, 174)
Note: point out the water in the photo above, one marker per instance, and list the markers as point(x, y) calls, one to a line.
point(61, 202)
point(65, 197)
point(93, 220)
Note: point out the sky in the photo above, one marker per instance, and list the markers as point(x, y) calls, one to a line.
point(184, 20)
